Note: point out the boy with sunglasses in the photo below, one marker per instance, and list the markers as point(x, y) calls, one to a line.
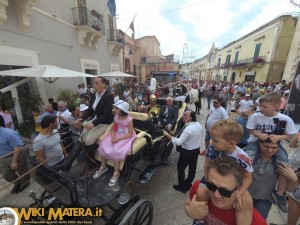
point(225, 135)
point(224, 181)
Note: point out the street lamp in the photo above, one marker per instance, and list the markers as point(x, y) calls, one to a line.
point(129, 53)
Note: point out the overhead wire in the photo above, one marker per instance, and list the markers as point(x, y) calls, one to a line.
point(172, 10)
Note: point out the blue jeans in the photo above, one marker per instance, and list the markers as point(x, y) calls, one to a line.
point(263, 206)
point(208, 101)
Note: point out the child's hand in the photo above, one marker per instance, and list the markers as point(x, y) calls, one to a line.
point(238, 203)
point(115, 140)
point(287, 171)
point(263, 136)
point(195, 209)
point(274, 138)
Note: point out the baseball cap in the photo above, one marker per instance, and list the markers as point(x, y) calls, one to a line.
point(247, 95)
point(124, 106)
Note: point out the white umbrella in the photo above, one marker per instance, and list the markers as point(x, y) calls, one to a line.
point(116, 74)
point(45, 72)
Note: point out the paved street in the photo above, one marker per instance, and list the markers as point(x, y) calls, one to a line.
point(167, 203)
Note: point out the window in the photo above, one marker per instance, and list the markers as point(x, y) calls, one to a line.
point(256, 52)
point(219, 62)
point(227, 60)
point(236, 57)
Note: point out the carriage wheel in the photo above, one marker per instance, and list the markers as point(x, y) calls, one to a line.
point(141, 213)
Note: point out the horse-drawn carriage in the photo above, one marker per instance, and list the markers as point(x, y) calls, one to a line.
point(118, 204)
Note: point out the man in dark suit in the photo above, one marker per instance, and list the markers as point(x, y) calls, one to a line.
point(168, 115)
point(99, 114)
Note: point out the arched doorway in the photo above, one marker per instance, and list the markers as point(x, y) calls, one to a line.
point(233, 77)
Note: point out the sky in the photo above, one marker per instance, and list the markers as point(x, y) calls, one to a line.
point(197, 23)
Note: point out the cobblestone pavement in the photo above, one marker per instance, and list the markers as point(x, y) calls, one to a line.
point(168, 204)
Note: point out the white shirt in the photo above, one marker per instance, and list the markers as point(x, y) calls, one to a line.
point(215, 115)
point(244, 104)
point(264, 124)
point(65, 114)
point(191, 136)
point(97, 99)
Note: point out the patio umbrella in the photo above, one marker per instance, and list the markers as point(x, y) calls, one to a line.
point(48, 73)
point(116, 74)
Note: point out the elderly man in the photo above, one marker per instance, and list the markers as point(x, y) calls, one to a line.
point(63, 115)
point(224, 180)
point(13, 162)
point(168, 115)
point(189, 139)
point(99, 116)
point(48, 111)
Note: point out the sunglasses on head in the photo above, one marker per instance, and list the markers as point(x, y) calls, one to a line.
point(222, 191)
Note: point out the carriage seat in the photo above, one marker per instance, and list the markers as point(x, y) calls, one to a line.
point(138, 143)
point(180, 114)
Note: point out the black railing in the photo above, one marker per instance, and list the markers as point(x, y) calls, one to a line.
point(83, 16)
point(244, 62)
point(114, 35)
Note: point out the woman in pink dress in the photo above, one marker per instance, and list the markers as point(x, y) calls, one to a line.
point(116, 145)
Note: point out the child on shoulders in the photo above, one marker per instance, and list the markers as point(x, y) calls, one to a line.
point(226, 134)
point(269, 123)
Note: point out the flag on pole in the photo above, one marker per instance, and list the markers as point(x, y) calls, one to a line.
point(111, 5)
point(131, 26)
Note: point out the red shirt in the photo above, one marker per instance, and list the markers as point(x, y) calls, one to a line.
point(226, 215)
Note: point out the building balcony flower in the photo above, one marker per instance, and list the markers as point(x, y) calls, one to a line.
point(259, 60)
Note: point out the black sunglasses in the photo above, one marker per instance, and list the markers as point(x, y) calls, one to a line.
point(215, 102)
point(222, 191)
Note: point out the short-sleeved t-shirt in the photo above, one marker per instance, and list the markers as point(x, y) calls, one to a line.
point(226, 216)
point(215, 115)
point(279, 124)
point(239, 155)
point(263, 171)
point(9, 139)
point(244, 104)
point(51, 146)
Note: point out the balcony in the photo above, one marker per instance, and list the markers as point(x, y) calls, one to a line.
point(89, 26)
point(258, 61)
point(23, 10)
point(115, 41)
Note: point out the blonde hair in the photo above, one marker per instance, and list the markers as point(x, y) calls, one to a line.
point(271, 97)
point(229, 130)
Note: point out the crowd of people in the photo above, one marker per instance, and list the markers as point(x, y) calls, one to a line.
point(245, 129)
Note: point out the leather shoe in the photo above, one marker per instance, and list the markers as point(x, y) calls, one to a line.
point(21, 188)
point(178, 188)
point(16, 187)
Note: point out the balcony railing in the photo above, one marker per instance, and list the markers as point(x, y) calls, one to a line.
point(83, 16)
point(244, 62)
point(114, 35)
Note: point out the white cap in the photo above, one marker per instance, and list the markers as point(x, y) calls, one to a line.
point(83, 107)
point(124, 106)
point(247, 95)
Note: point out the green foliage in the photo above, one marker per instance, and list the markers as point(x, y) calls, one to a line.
point(25, 129)
point(67, 95)
point(27, 103)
